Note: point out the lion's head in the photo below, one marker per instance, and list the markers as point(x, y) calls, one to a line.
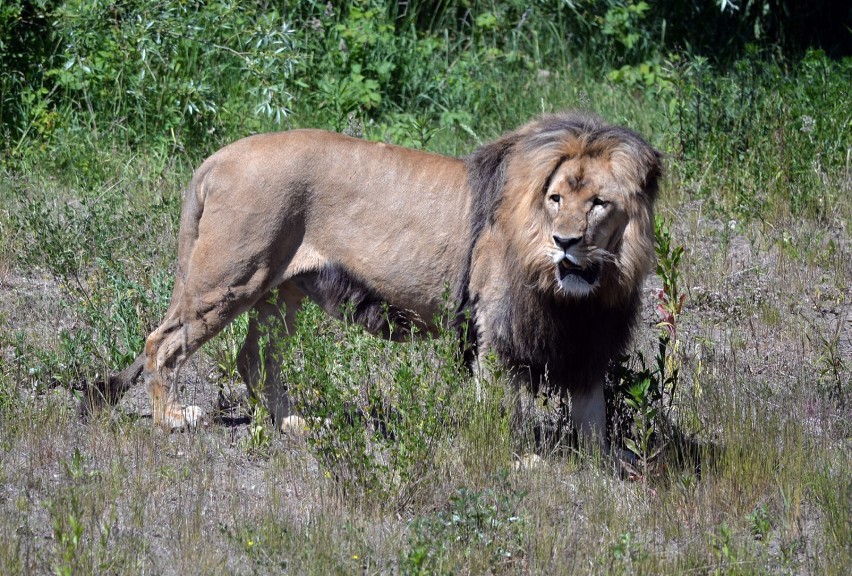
point(573, 198)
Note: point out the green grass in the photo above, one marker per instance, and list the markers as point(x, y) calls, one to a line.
point(412, 474)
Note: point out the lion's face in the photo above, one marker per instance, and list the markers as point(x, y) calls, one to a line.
point(587, 220)
point(567, 205)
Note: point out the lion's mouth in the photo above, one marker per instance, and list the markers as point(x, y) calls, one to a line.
point(567, 269)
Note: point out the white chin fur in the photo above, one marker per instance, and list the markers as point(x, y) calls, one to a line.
point(575, 286)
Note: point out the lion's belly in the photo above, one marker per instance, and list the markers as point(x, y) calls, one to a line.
point(380, 304)
point(413, 282)
point(405, 249)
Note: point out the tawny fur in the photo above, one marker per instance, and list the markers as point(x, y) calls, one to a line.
point(544, 237)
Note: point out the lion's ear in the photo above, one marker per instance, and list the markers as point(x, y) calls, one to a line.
point(486, 175)
point(653, 172)
point(638, 163)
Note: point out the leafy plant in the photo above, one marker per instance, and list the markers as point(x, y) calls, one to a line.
point(225, 348)
point(259, 438)
point(376, 411)
point(640, 400)
point(649, 393)
point(484, 526)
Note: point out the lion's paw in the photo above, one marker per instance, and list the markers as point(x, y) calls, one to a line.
point(528, 462)
point(294, 425)
point(179, 418)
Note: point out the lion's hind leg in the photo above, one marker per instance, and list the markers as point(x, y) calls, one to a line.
point(212, 296)
point(272, 319)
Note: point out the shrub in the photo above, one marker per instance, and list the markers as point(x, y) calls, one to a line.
point(377, 412)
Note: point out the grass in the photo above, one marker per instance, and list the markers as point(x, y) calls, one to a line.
point(418, 477)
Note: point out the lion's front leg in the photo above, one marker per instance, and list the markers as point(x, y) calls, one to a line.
point(588, 416)
point(166, 410)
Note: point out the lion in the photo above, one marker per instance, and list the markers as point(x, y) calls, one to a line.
point(544, 236)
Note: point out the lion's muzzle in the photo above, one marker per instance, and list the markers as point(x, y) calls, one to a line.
point(575, 275)
point(568, 269)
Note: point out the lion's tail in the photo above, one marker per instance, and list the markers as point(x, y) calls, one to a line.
point(190, 216)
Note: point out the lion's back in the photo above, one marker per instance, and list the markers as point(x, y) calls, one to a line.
point(395, 219)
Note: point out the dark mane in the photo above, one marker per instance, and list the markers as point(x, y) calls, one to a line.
point(528, 337)
point(486, 177)
point(588, 337)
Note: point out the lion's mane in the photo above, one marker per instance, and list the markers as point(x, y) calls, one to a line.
point(532, 327)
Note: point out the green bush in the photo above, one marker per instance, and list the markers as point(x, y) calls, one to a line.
point(378, 412)
point(163, 72)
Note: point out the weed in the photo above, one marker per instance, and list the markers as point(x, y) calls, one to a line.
point(649, 394)
point(760, 523)
point(671, 297)
point(377, 418)
point(832, 368)
point(68, 533)
point(626, 553)
point(721, 542)
point(73, 534)
point(482, 529)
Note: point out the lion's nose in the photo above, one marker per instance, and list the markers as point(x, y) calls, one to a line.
point(565, 242)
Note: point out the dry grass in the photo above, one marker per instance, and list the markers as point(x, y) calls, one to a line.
point(768, 310)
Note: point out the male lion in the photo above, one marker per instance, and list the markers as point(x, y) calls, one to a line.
point(545, 237)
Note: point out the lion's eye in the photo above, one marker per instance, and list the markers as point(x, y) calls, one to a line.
point(600, 202)
point(555, 198)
